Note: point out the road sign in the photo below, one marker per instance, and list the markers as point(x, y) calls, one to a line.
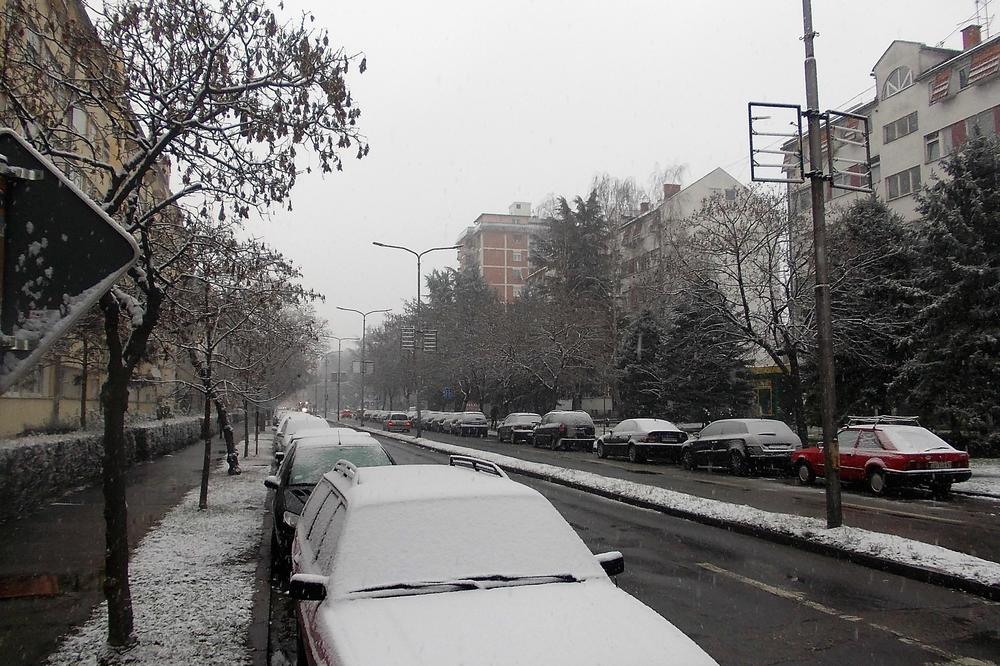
point(356, 367)
point(430, 340)
point(406, 336)
point(60, 252)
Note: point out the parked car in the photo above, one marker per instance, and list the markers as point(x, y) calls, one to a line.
point(448, 565)
point(346, 414)
point(306, 461)
point(742, 445)
point(564, 430)
point(397, 422)
point(474, 424)
point(518, 427)
point(292, 423)
point(450, 422)
point(884, 452)
point(643, 439)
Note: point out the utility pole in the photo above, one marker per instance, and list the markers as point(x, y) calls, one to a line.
point(364, 330)
point(831, 450)
point(326, 375)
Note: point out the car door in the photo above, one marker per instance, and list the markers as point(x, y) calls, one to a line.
point(701, 448)
point(866, 448)
point(620, 434)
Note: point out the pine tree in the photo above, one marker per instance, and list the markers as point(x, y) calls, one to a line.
point(953, 372)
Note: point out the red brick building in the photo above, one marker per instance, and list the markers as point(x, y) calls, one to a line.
point(499, 246)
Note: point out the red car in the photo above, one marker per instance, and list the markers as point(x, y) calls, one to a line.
point(887, 452)
point(346, 414)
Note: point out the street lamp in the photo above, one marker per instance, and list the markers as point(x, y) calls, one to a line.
point(364, 316)
point(326, 375)
point(416, 326)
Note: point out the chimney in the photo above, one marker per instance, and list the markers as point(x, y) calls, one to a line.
point(971, 36)
point(643, 207)
point(670, 189)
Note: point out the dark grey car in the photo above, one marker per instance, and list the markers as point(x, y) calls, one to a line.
point(742, 445)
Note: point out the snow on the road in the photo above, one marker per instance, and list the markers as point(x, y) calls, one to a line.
point(192, 580)
point(853, 539)
point(985, 477)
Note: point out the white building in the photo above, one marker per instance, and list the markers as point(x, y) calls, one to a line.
point(928, 102)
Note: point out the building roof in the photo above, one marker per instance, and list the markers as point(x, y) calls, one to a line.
point(920, 44)
point(957, 55)
point(713, 172)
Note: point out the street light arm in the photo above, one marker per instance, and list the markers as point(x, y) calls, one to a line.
point(434, 249)
point(351, 310)
point(395, 247)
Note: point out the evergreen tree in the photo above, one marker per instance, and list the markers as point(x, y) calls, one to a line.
point(953, 371)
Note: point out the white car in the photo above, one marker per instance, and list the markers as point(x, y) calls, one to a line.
point(294, 422)
point(435, 564)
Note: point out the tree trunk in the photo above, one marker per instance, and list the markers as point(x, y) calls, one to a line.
point(795, 397)
point(246, 429)
point(206, 464)
point(84, 379)
point(232, 456)
point(57, 392)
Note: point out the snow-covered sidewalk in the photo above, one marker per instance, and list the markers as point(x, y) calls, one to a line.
point(192, 579)
point(985, 478)
point(888, 548)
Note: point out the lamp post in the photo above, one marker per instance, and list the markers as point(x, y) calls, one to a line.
point(364, 316)
point(326, 375)
point(416, 326)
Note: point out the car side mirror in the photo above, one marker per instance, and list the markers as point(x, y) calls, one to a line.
point(612, 562)
point(307, 587)
point(279, 456)
point(272, 482)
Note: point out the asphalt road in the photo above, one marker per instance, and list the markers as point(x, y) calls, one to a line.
point(966, 524)
point(52, 560)
point(747, 601)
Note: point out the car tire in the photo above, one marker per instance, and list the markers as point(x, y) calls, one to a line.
point(601, 453)
point(737, 463)
point(687, 459)
point(876, 482)
point(534, 441)
point(633, 454)
point(804, 473)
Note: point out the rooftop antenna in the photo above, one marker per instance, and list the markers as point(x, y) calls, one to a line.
point(983, 15)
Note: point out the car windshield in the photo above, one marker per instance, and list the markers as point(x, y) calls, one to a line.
point(522, 419)
point(310, 465)
point(398, 417)
point(473, 417)
point(450, 539)
point(914, 439)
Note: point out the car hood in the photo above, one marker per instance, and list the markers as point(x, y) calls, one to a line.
point(576, 624)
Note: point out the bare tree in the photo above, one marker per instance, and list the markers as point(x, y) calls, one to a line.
point(225, 94)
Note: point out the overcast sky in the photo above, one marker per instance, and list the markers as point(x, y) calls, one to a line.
point(470, 104)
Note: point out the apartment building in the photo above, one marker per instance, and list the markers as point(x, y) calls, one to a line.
point(643, 240)
point(498, 246)
point(929, 100)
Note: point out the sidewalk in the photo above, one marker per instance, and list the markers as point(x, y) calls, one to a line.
point(193, 579)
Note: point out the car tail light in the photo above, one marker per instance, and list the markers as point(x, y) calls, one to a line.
point(646, 438)
point(407, 423)
point(390, 424)
point(562, 427)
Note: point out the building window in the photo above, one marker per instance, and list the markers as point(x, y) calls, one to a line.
point(981, 124)
point(900, 128)
point(963, 78)
point(78, 119)
point(876, 167)
point(898, 80)
point(516, 256)
point(932, 147)
point(903, 183)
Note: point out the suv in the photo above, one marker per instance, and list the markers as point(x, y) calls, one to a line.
point(742, 445)
point(405, 565)
point(565, 430)
point(885, 451)
point(518, 426)
point(303, 465)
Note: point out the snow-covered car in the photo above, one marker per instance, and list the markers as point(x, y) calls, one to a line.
point(397, 422)
point(294, 422)
point(643, 439)
point(435, 564)
point(518, 427)
point(308, 458)
point(564, 429)
point(742, 446)
point(887, 451)
point(474, 424)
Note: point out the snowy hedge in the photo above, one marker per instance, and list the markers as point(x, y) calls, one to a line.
point(42, 467)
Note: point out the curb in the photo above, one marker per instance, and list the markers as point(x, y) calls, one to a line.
point(921, 574)
point(259, 633)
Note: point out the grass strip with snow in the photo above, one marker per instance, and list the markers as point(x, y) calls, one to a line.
point(192, 580)
point(849, 539)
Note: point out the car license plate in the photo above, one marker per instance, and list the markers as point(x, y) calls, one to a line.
point(939, 465)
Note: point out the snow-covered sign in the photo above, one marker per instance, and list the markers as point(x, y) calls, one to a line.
point(60, 254)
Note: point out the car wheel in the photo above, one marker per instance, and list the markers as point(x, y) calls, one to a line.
point(737, 463)
point(633, 454)
point(687, 460)
point(804, 473)
point(601, 453)
point(534, 441)
point(876, 482)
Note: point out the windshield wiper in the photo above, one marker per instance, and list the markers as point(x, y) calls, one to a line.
point(937, 448)
point(528, 580)
point(462, 584)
